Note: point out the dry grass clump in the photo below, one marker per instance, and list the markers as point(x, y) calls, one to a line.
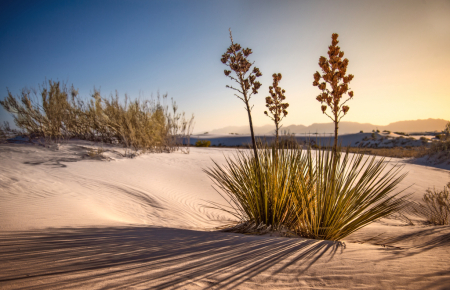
point(311, 193)
point(96, 153)
point(439, 151)
point(435, 206)
point(396, 152)
point(202, 143)
point(57, 113)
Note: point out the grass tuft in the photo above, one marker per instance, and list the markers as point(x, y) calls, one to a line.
point(435, 206)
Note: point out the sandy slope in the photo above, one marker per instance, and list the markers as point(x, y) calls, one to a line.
point(69, 221)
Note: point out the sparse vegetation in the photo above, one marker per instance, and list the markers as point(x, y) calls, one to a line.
point(59, 114)
point(439, 150)
point(401, 133)
point(435, 206)
point(202, 143)
point(396, 152)
point(96, 152)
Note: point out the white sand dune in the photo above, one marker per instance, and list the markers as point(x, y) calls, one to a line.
point(69, 221)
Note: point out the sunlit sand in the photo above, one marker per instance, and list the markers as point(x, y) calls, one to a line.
point(72, 221)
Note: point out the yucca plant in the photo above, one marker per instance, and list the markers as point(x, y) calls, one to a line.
point(338, 196)
point(303, 193)
point(240, 185)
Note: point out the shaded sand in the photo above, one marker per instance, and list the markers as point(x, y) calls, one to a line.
point(70, 221)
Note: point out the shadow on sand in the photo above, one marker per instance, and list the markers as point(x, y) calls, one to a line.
point(149, 257)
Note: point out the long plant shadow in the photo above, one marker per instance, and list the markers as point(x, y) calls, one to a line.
point(150, 257)
point(418, 241)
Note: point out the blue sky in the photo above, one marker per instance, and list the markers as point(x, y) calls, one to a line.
point(398, 52)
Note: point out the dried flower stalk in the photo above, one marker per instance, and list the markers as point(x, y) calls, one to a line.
point(333, 74)
point(236, 58)
point(274, 102)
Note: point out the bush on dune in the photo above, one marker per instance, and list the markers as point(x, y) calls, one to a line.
point(435, 206)
point(202, 143)
point(59, 114)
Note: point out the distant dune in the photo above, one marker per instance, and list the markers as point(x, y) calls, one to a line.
point(344, 127)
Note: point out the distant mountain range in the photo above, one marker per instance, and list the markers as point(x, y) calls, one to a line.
point(427, 125)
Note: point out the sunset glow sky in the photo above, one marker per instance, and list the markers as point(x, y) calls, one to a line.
point(399, 52)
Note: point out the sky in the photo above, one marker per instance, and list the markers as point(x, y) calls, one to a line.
point(398, 52)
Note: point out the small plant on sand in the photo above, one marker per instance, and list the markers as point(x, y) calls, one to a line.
point(435, 206)
point(202, 143)
point(447, 130)
point(334, 71)
point(236, 58)
point(277, 109)
point(96, 152)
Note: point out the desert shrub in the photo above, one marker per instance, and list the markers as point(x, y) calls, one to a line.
point(96, 152)
point(373, 135)
point(361, 131)
point(439, 150)
point(401, 133)
point(435, 206)
point(44, 116)
point(303, 193)
point(202, 143)
point(3, 135)
point(58, 113)
point(287, 142)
